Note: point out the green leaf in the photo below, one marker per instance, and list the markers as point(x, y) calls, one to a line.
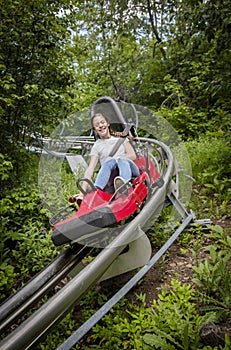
point(157, 341)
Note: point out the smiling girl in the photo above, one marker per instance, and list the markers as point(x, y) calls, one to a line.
point(119, 167)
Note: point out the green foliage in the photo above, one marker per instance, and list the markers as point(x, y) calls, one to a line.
point(192, 238)
point(176, 319)
point(34, 248)
point(123, 327)
point(63, 330)
point(25, 244)
point(5, 168)
point(210, 152)
point(199, 45)
point(221, 239)
point(7, 278)
point(92, 300)
point(35, 68)
point(177, 112)
point(171, 323)
point(213, 275)
point(210, 156)
point(161, 229)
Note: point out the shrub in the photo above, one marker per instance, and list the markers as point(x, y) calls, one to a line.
point(213, 276)
point(26, 245)
point(176, 320)
point(210, 157)
point(171, 323)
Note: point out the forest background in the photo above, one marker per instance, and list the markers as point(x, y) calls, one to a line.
point(58, 57)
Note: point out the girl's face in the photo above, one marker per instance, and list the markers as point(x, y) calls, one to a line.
point(101, 126)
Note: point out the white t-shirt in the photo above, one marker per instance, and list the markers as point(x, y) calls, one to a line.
point(103, 147)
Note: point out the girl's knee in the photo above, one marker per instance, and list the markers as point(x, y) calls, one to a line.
point(122, 161)
point(110, 163)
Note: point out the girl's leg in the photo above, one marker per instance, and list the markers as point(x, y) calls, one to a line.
point(105, 173)
point(127, 168)
point(134, 168)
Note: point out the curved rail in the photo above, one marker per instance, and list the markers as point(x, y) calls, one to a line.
point(17, 305)
point(39, 323)
point(96, 317)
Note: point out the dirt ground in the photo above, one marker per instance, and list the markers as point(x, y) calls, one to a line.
point(175, 265)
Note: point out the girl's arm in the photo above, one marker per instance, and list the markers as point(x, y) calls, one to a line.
point(129, 151)
point(90, 170)
point(88, 174)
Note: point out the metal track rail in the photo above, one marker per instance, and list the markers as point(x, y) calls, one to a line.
point(82, 331)
point(41, 321)
point(17, 305)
